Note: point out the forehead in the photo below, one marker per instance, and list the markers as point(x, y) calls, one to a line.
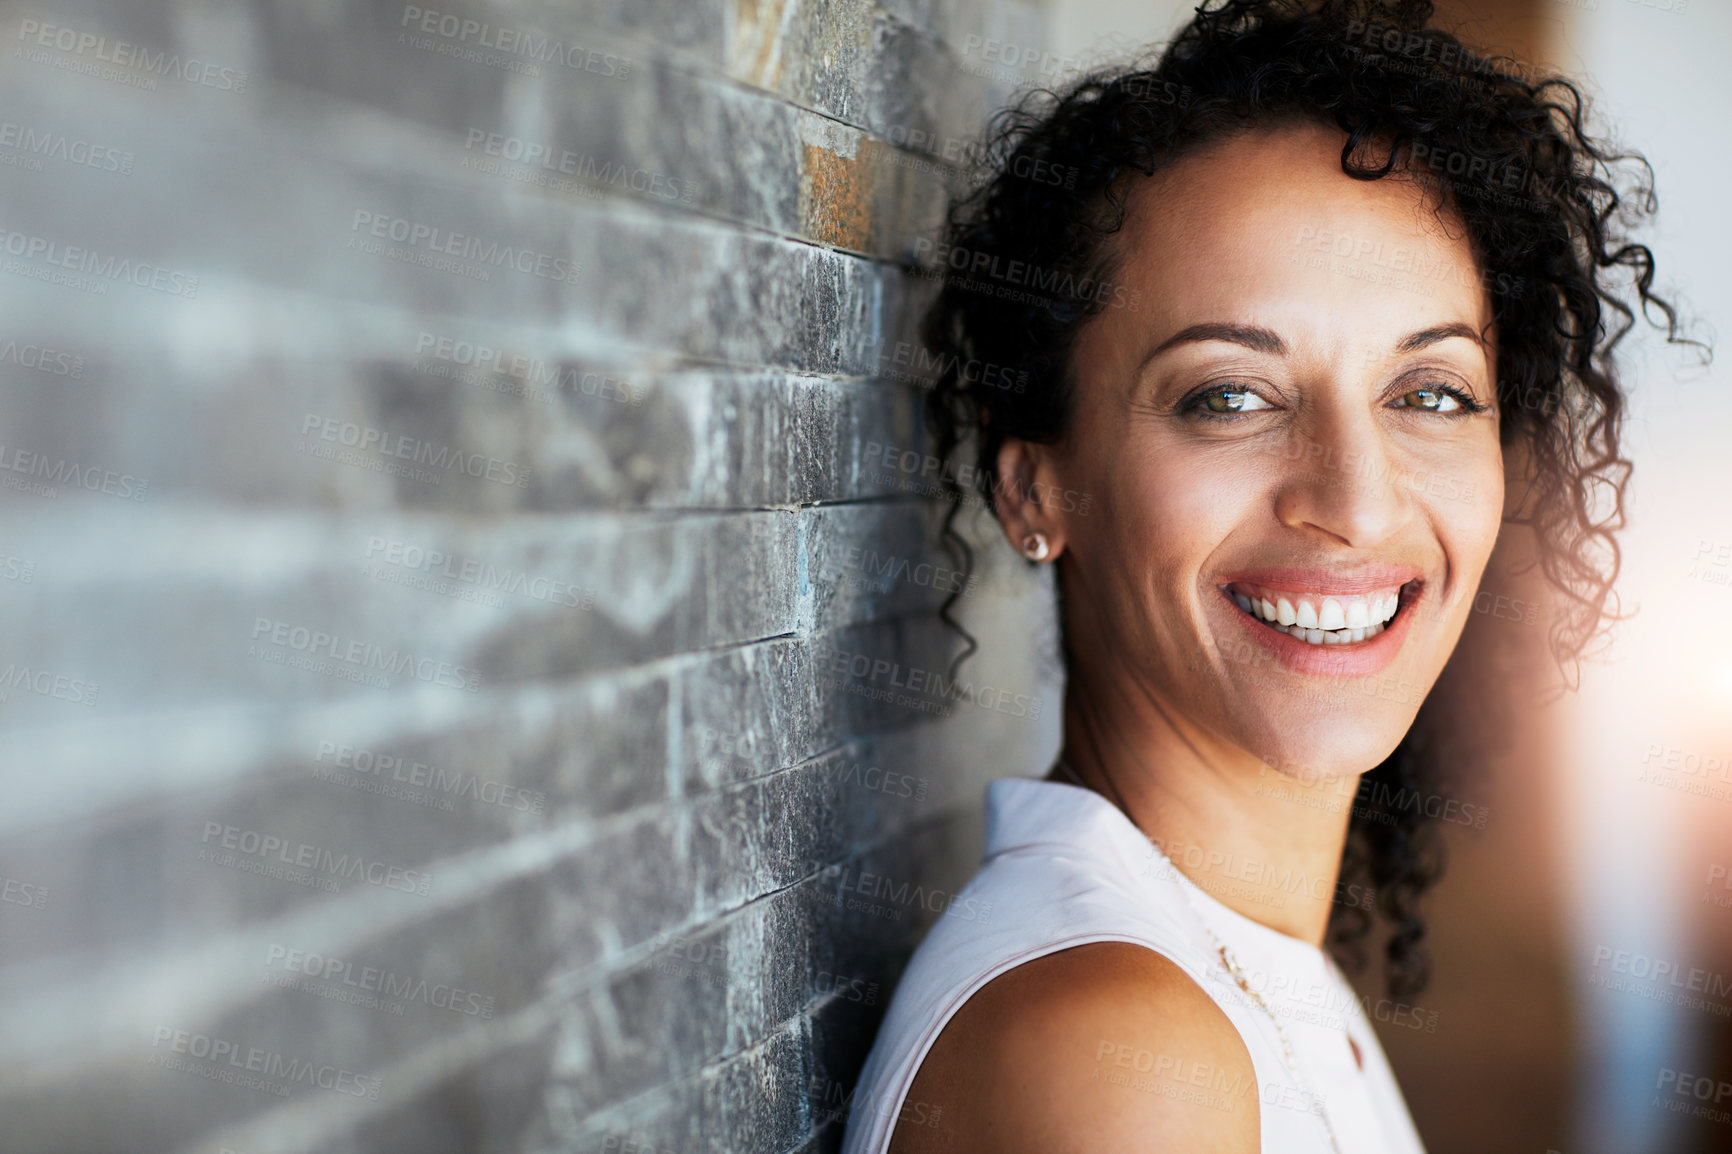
point(1266, 227)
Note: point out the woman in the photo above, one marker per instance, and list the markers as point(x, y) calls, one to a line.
point(1298, 307)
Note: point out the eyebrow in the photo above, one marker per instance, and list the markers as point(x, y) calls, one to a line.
point(1426, 337)
point(1253, 337)
point(1263, 340)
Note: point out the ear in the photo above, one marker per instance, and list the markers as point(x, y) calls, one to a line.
point(1024, 493)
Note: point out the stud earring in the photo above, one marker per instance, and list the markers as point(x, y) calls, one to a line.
point(1034, 547)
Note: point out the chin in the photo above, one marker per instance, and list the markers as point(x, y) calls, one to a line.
point(1330, 745)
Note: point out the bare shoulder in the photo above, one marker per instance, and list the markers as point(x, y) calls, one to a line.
point(1108, 1046)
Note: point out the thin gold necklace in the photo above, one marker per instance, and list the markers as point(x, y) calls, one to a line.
point(1230, 963)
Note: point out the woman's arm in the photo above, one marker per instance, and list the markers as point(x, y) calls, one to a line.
point(1102, 1047)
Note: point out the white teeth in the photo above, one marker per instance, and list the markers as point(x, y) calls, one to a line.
point(1332, 615)
point(1327, 620)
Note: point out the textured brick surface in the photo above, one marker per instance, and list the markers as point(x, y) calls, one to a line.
point(453, 591)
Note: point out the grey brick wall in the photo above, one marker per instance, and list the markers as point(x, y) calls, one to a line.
point(443, 485)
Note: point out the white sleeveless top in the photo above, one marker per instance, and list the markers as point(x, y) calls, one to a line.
point(1064, 867)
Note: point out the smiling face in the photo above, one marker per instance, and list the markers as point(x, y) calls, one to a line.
point(1291, 449)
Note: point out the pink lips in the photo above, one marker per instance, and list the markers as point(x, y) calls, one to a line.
point(1355, 659)
point(1329, 582)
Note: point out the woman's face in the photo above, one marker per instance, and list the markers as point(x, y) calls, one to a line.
point(1296, 421)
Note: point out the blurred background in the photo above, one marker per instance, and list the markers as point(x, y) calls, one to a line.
point(468, 679)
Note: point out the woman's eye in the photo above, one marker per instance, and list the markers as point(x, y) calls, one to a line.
point(1431, 400)
point(1231, 401)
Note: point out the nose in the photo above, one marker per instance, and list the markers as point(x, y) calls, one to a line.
point(1343, 480)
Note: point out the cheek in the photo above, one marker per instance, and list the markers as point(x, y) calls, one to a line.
point(1463, 491)
point(1180, 507)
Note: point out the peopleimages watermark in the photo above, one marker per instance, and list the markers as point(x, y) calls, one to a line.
point(1287, 995)
point(16, 892)
point(542, 164)
point(839, 1100)
point(481, 366)
point(1486, 178)
point(927, 690)
point(1386, 43)
point(1052, 66)
point(409, 579)
point(466, 578)
point(1007, 279)
point(1717, 873)
point(1326, 688)
point(440, 248)
point(1197, 1083)
point(362, 768)
point(87, 269)
point(372, 987)
point(86, 52)
point(879, 895)
point(223, 1060)
point(1684, 1093)
point(828, 984)
point(1675, 7)
point(925, 474)
point(1265, 883)
point(1490, 603)
point(1399, 267)
point(878, 572)
point(516, 49)
point(1169, 1076)
point(1363, 473)
point(1380, 801)
point(1372, 800)
point(981, 56)
point(950, 158)
point(627, 1144)
point(54, 362)
point(1712, 562)
point(46, 683)
point(915, 364)
point(27, 147)
point(1687, 771)
point(704, 962)
point(37, 475)
point(876, 780)
point(391, 448)
point(741, 747)
point(302, 647)
point(1689, 986)
point(264, 853)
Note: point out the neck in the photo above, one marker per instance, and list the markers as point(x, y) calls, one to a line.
point(1260, 842)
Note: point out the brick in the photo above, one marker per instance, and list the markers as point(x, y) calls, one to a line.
point(728, 843)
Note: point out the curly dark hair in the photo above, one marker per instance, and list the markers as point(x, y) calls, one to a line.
point(1546, 208)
